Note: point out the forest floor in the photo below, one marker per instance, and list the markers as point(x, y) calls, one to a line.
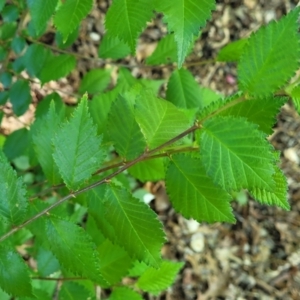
point(259, 256)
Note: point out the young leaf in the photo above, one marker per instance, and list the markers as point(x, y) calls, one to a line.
point(14, 275)
point(232, 51)
point(121, 293)
point(159, 120)
point(137, 228)
point(73, 291)
point(151, 170)
point(20, 97)
point(95, 81)
point(194, 194)
point(69, 15)
point(295, 94)
point(56, 67)
point(46, 129)
point(273, 196)
point(262, 113)
point(183, 90)
point(185, 17)
point(114, 262)
point(77, 150)
point(40, 12)
point(165, 52)
point(270, 57)
point(123, 129)
point(73, 248)
point(113, 47)
point(13, 204)
point(155, 281)
point(126, 19)
point(236, 155)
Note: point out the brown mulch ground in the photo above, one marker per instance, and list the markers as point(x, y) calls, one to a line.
point(259, 256)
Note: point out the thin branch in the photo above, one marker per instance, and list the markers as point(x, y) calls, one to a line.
point(100, 182)
point(59, 279)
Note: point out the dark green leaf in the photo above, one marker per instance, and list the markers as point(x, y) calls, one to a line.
point(20, 97)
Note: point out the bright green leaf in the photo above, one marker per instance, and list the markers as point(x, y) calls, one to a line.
point(271, 56)
point(69, 15)
point(273, 196)
point(183, 90)
point(47, 263)
point(56, 67)
point(95, 81)
point(77, 152)
point(258, 111)
point(126, 19)
point(123, 129)
point(194, 194)
point(7, 30)
point(148, 170)
point(159, 120)
point(69, 41)
point(40, 12)
point(46, 129)
point(165, 52)
point(113, 47)
point(136, 226)
point(14, 275)
point(13, 204)
point(73, 248)
point(114, 262)
point(73, 291)
point(232, 51)
point(155, 281)
point(20, 97)
point(236, 155)
point(184, 18)
point(121, 293)
point(295, 94)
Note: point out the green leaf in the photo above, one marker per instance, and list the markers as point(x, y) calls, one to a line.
point(17, 144)
point(113, 47)
point(73, 248)
point(33, 65)
point(40, 12)
point(258, 111)
point(271, 56)
point(3, 97)
point(20, 97)
point(155, 281)
point(273, 196)
point(10, 13)
point(121, 293)
point(185, 18)
point(56, 67)
point(194, 194)
point(148, 170)
point(126, 19)
point(114, 262)
point(8, 30)
point(18, 44)
point(236, 155)
point(6, 79)
point(232, 51)
point(159, 120)
point(69, 41)
point(123, 129)
point(44, 105)
point(69, 15)
point(13, 205)
point(73, 291)
point(14, 275)
point(100, 107)
point(46, 129)
point(95, 81)
point(47, 263)
point(165, 52)
point(295, 95)
point(137, 227)
point(183, 90)
point(77, 152)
